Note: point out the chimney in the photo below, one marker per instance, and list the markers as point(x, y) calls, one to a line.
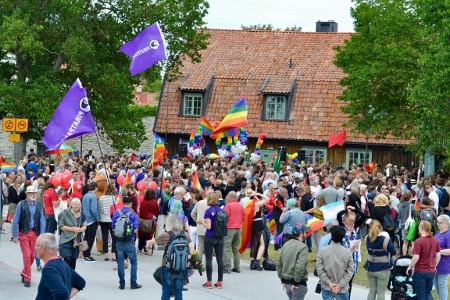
point(326, 26)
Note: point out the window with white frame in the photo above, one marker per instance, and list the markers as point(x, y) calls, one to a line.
point(275, 108)
point(192, 104)
point(315, 156)
point(358, 156)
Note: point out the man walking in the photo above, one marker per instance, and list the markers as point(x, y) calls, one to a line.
point(90, 209)
point(231, 241)
point(58, 281)
point(126, 221)
point(28, 224)
point(291, 265)
point(335, 267)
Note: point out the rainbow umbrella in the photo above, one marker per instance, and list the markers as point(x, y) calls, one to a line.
point(8, 167)
point(64, 148)
point(212, 156)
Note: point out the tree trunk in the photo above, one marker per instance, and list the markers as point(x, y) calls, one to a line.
point(19, 150)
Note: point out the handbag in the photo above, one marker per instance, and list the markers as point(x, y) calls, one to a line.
point(409, 221)
point(145, 226)
point(412, 232)
point(83, 246)
point(157, 274)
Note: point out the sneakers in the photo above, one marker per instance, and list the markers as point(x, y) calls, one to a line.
point(90, 259)
point(208, 285)
point(39, 268)
point(218, 284)
point(122, 286)
point(27, 284)
point(135, 286)
point(226, 271)
point(236, 270)
point(3, 231)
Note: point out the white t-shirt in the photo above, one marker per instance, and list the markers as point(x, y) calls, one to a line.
point(433, 196)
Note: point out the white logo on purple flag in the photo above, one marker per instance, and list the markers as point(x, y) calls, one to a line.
point(72, 118)
point(146, 49)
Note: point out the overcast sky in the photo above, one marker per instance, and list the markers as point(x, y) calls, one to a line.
point(231, 14)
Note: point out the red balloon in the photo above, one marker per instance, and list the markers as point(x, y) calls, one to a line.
point(58, 175)
point(77, 185)
point(153, 185)
point(56, 181)
point(66, 176)
point(141, 186)
point(65, 185)
point(121, 180)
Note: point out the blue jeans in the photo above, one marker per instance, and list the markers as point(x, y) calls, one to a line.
point(50, 223)
point(130, 250)
point(422, 285)
point(440, 282)
point(329, 295)
point(171, 281)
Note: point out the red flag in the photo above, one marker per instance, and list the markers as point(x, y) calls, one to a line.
point(163, 184)
point(337, 139)
point(128, 178)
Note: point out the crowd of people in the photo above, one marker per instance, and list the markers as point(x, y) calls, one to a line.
point(378, 209)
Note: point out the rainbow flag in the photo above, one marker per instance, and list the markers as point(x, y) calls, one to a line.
point(249, 212)
point(159, 152)
point(236, 117)
point(314, 224)
point(195, 181)
point(207, 127)
point(271, 222)
point(128, 178)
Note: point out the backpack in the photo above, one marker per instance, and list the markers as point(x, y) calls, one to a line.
point(220, 224)
point(426, 215)
point(444, 200)
point(388, 223)
point(177, 251)
point(123, 230)
point(269, 265)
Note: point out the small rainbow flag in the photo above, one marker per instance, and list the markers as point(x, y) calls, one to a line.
point(195, 180)
point(271, 222)
point(207, 127)
point(313, 223)
point(236, 117)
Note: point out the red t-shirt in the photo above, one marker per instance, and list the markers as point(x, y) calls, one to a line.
point(235, 212)
point(49, 197)
point(426, 247)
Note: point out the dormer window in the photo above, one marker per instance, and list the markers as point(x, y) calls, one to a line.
point(192, 104)
point(276, 107)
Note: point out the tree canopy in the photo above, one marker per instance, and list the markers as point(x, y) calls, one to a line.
point(396, 68)
point(46, 45)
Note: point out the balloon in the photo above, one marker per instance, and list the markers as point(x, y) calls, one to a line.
point(132, 171)
point(153, 185)
point(141, 186)
point(77, 185)
point(66, 176)
point(56, 181)
point(121, 180)
point(65, 185)
point(58, 175)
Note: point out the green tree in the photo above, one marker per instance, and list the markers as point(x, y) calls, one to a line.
point(380, 63)
point(46, 45)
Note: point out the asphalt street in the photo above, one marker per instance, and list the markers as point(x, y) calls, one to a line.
point(102, 280)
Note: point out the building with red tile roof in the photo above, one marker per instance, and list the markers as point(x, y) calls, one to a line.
point(291, 86)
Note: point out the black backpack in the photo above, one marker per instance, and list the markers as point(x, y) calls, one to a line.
point(388, 223)
point(177, 252)
point(220, 224)
point(444, 200)
point(123, 230)
point(269, 265)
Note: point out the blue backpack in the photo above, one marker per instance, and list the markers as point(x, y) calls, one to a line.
point(177, 252)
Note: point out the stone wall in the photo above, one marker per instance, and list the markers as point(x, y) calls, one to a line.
point(89, 143)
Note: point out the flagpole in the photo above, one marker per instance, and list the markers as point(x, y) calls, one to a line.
point(81, 146)
point(98, 141)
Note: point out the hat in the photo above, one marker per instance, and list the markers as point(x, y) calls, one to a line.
point(300, 227)
point(31, 189)
point(389, 165)
point(413, 181)
point(188, 170)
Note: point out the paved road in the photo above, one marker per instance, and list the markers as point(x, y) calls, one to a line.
point(102, 280)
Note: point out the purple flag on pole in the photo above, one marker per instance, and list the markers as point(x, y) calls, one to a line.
point(72, 118)
point(146, 49)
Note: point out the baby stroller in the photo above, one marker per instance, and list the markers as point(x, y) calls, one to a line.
point(400, 283)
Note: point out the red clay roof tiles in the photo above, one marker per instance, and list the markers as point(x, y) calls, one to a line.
point(240, 62)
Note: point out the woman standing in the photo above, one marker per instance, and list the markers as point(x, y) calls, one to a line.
point(381, 210)
point(212, 242)
point(443, 268)
point(290, 218)
point(426, 256)
point(149, 211)
point(380, 249)
point(105, 202)
point(72, 224)
point(405, 210)
point(258, 241)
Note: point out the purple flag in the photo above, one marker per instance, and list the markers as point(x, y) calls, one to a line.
point(146, 49)
point(72, 118)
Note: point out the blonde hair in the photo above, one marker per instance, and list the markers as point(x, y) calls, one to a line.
point(374, 230)
point(426, 226)
point(212, 199)
point(381, 200)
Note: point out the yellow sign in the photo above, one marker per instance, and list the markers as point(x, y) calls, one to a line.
point(21, 125)
point(9, 124)
point(14, 137)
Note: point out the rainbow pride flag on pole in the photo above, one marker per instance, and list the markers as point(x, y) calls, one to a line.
point(271, 222)
point(249, 212)
point(236, 117)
